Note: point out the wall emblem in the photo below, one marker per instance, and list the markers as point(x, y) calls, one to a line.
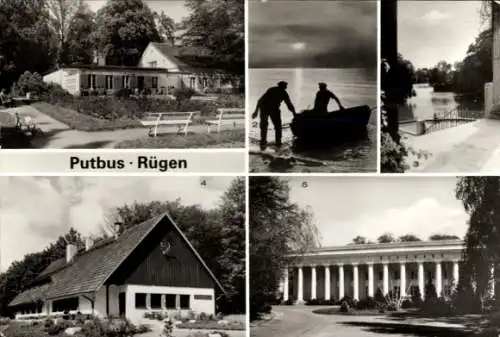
point(165, 247)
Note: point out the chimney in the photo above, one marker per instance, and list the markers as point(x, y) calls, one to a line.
point(70, 252)
point(118, 229)
point(88, 243)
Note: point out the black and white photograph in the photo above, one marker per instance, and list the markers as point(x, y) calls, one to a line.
point(122, 256)
point(440, 86)
point(330, 257)
point(122, 74)
point(312, 85)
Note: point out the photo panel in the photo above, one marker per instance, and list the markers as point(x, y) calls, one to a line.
point(439, 85)
point(316, 61)
point(122, 74)
point(136, 252)
point(329, 257)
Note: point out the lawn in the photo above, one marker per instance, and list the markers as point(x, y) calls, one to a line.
point(351, 312)
point(212, 325)
point(226, 139)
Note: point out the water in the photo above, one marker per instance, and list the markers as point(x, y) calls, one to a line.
point(354, 87)
point(426, 103)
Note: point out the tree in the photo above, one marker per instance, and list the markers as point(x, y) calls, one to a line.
point(61, 15)
point(276, 232)
point(166, 27)
point(124, 28)
point(481, 199)
point(440, 237)
point(79, 38)
point(386, 238)
point(409, 238)
point(218, 26)
point(359, 240)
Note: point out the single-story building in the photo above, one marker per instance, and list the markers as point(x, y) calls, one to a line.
point(148, 267)
point(162, 67)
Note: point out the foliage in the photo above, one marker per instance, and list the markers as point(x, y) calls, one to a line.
point(344, 307)
point(80, 45)
point(219, 27)
point(278, 228)
point(209, 325)
point(409, 238)
point(58, 327)
point(481, 199)
point(386, 238)
point(168, 328)
point(183, 94)
point(123, 31)
point(367, 303)
point(359, 240)
point(166, 27)
point(22, 273)
point(318, 301)
point(440, 237)
point(29, 82)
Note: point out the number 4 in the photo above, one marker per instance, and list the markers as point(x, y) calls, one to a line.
point(203, 183)
point(305, 184)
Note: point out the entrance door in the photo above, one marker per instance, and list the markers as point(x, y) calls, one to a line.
point(121, 303)
point(140, 82)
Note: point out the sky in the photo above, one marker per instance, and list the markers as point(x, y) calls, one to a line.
point(345, 207)
point(312, 34)
point(431, 31)
point(173, 8)
point(35, 211)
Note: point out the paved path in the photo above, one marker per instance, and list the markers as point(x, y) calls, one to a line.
point(469, 148)
point(60, 136)
point(300, 321)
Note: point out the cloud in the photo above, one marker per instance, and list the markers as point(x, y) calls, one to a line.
point(435, 16)
point(422, 218)
point(37, 210)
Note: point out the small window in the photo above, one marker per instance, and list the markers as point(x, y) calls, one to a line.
point(170, 301)
point(109, 82)
point(192, 82)
point(67, 304)
point(140, 300)
point(185, 301)
point(155, 301)
point(202, 297)
point(153, 64)
point(155, 82)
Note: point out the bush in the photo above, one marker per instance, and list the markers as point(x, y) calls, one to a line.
point(366, 304)
point(288, 302)
point(143, 329)
point(349, 300)
point(29, 82)
point(168, 328)
point(183, 94)
point(344, 307)
point(407, 304)
point(48, 323)
point(58, 328)
point(123, 93)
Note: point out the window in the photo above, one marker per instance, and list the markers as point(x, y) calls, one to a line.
point(396, 275)
point(202, 297)
point(89, 81)
point(67, 304)
point(192, 82)
point(170, 301)
point(125, 81)
point(140, 300)
point(155, 301)
point(185, 301)
point(205, 82)
point(155, 82)
point(380, 276)
point(412, 275)
point(153, 64)
point(109, 82)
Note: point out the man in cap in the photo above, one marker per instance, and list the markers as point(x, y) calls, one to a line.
point(269, 106)
point(323, 97)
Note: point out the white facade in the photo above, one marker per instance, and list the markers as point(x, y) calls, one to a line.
point(69, 79)
point(359, 270)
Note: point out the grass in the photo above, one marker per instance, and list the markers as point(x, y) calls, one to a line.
point(226, 139)
point(83, 122)
point(351, 312)
point(16, 329)
point(212, 325)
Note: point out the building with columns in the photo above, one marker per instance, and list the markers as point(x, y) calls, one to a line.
point(357, 271)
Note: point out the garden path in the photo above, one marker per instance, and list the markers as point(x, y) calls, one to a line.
point(58, 135)
point(300, 321)
point(472, 147)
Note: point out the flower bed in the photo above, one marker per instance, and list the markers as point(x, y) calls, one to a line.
point(212, 325)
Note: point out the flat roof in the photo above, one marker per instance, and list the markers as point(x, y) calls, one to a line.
point(371, 246)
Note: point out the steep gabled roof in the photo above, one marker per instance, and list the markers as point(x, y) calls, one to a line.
point(183, 56)
point(90, 270)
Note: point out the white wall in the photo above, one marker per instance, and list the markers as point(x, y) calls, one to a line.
point(151, 54)
point(54, 77)
point(137, 315)
point(69, 79)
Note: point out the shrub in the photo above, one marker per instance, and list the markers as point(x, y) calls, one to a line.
point(143, 329)
point(29, 82)
point(167, 329)
point(407, 304)
point(366, 304)
point(350, 301)
point(344, 307)
point(58, 328)
point(123, 93)
point(183, 94)
point(288, 302)
point(48, 323)
point(95, 327)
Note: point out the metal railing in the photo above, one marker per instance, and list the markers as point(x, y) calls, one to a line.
point(454, 117)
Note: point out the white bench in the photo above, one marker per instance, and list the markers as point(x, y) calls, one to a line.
point(227, 116)
point(180, 119)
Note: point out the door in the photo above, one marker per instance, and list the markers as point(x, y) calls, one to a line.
point(140, 82)
point(121, 303)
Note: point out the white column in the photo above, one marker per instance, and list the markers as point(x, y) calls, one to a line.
point(439, 281)
point(402, 278)
point(313, 282)
point(492, 281)
point(327, 283)
point(355, 281)
point(341, 281)
point(285, 285)
point(370, 279)
point(300, 291)
point(455, 274)
point(386, 278)
point(421, 279)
